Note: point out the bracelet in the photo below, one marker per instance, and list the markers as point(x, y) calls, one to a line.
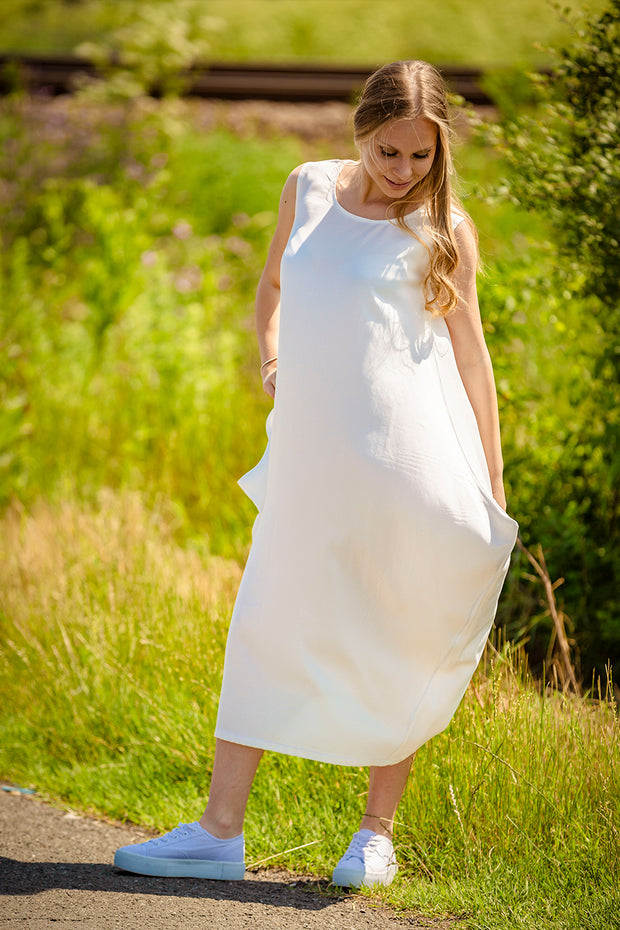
point(269, 361)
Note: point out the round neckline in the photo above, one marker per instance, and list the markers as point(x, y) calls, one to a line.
point(356, 216)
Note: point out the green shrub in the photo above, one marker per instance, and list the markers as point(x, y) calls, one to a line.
point(132, 246)
point(563, 161)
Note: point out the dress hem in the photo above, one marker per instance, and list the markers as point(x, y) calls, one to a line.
point(298, 753)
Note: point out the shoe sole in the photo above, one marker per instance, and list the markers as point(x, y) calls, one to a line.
point(354, 878)
point(178, 868)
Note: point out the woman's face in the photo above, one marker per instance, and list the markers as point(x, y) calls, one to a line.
point(398, 156)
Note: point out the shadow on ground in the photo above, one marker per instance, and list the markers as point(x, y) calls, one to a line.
point(30, 878)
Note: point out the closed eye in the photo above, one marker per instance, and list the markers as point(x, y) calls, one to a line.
point(418, 155)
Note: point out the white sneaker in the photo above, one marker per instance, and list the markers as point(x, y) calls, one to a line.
point(369, 860)
point(188, 851)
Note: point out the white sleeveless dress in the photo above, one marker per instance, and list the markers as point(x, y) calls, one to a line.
point(379, 553)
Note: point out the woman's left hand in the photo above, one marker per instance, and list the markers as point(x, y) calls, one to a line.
point(269, 379)
point(499, 494)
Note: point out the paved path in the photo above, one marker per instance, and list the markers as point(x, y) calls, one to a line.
point(56, 872)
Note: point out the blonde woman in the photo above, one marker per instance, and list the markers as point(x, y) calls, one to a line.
point(382, 540)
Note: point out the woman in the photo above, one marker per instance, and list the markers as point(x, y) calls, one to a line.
point(382, 540)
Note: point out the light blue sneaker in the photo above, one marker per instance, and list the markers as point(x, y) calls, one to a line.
point(369, 860)
point(188, 851)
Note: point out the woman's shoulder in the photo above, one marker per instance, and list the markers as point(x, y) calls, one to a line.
point(466, 237)
point(327, 169)
point(325, 166)
point(458, 215)
point(313, 178)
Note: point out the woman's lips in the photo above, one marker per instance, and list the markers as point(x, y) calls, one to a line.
point(399, 186)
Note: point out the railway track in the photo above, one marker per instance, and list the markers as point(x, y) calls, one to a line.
point(57, 74)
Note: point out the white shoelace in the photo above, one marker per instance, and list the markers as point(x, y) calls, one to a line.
point(184, 829)
point(359, 844)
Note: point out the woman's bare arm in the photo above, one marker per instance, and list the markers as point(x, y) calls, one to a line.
point(473, 359)
point(268, 290)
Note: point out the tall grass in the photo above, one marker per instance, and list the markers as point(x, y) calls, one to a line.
point(129, 356)
point(133, 240)
point(131, 401)
point(113, 640)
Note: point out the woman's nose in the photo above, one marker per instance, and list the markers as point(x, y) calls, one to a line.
point(403, 169)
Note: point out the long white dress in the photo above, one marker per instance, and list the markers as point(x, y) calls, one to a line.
point(379, 553)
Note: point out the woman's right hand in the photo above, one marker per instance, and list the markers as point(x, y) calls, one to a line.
point(269, 378)
point(268, 291)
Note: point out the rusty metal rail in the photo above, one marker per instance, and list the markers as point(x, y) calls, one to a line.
point(57, 74)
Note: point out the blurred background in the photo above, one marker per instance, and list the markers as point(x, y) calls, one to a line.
point(137, 204)
point(135, 227)
point(481, 33)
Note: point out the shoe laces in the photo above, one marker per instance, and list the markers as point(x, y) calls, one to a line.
point(361, 844)
point(184, 829)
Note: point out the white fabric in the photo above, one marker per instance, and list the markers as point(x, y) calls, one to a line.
point(379, 552)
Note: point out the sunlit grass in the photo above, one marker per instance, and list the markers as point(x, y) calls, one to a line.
point(130, 404)
point(134, 238)
point(119, 637)
point(112, 646)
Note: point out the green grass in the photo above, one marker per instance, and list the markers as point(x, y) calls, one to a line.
point(113, 640)
point(134, 237)
point(479, 32)
point(140, 368)
point(130, 402)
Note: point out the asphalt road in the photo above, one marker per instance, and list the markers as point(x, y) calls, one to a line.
point(56, 871)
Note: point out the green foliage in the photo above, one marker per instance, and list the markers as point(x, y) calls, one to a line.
point(480, 32)
point(112, 641)
point(132, 243)
point(564, 164)
point(132, 246)
point(128, 352)
point(150, 48)
point(564, 158)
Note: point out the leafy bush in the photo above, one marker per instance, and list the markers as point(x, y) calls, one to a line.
point(133, 242)
point(564, 164)
point(150, 46)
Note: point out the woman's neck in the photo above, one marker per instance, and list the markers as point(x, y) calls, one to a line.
point(358, 194)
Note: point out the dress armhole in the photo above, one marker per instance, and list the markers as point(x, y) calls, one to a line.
point(301, 181)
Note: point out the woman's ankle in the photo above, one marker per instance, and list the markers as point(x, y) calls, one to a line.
point(221, 826)
point(384, 826)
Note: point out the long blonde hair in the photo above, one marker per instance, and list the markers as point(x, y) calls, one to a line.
point(406, 90)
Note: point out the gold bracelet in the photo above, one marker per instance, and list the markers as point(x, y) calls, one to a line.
point(269, 361)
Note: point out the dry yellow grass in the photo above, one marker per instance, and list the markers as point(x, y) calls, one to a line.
point(112, 639)
point(46, 552)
